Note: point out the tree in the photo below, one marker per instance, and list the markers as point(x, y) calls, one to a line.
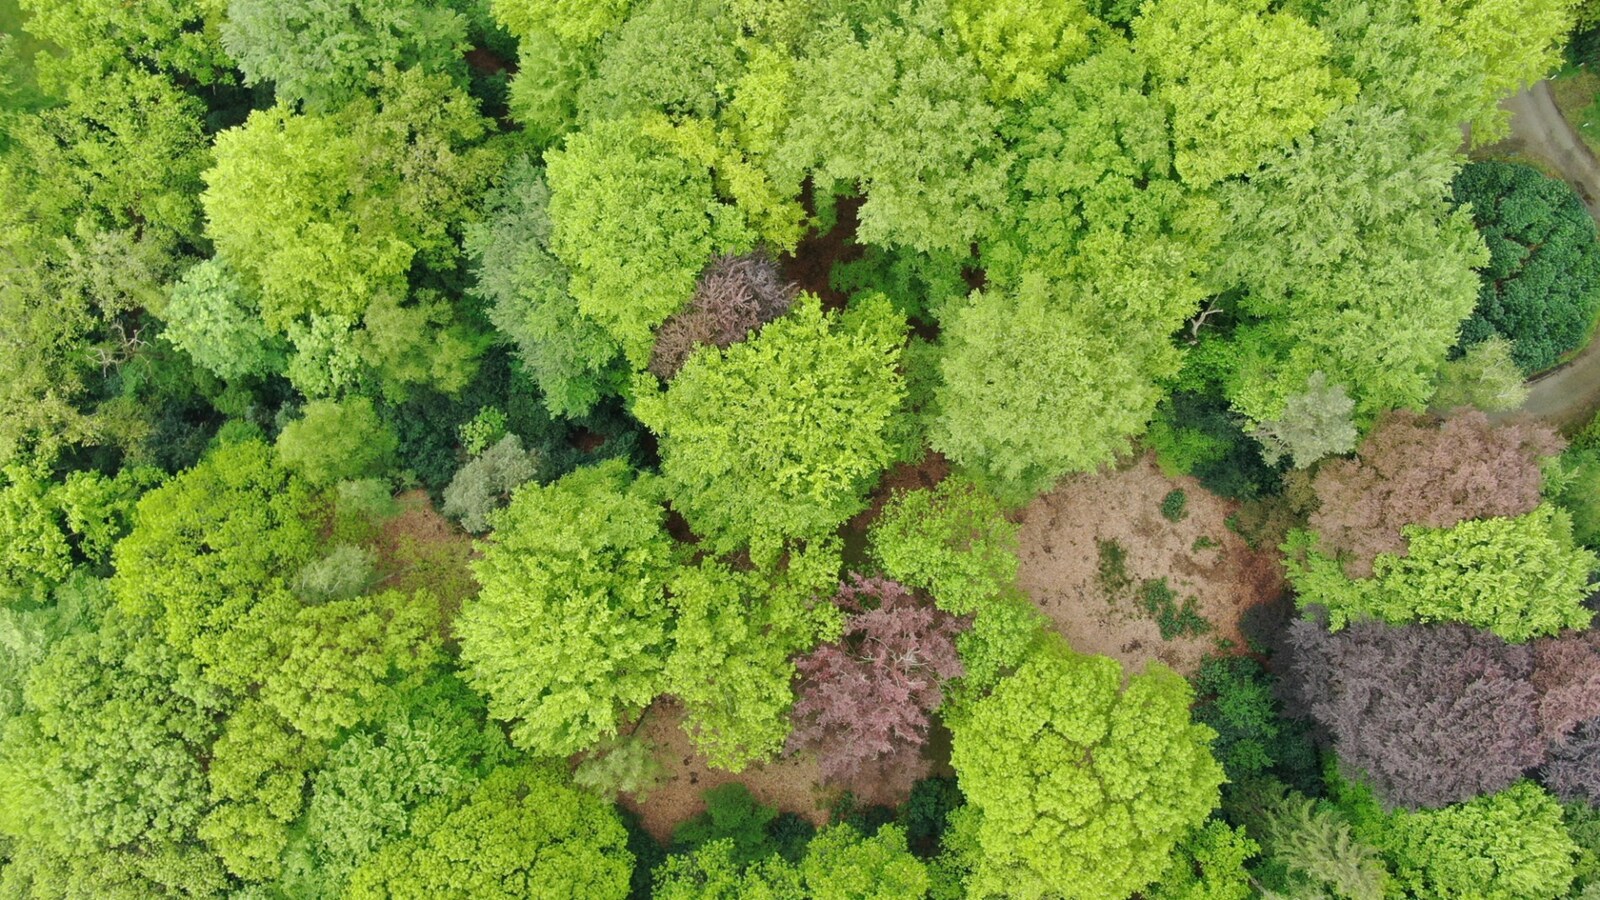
point(1241, 81)
point(105, 767)
point(268, 206)
point(344, 654)
point(1541, 288)
point(1314, 424)
point(633, 76)
point(1572, 771)
point(777, 438)
point(712, 872)
point(1208, 865)
point(570, 629)
point(625, 765)
point(1518, 577)
point(843, 864)
point(1084, 789)
point(1430, 714)
point(212, 317)
point(521, 832)
point(840, 863)
point(422, 747)
point(211, 555)
point(1485, 377)
point(258, 772)
point(576, 22)
point(487, 482)
point(1020, 48)
point(1415, 471)
point(730, 662)
point(1566, 672)
point(633, 223)
point(1318, 848)
point(952, 541)
point(1504, 846)
point(337, 440)
point(1237, 698)
point(903, 118)
point(872, 691)
point(735, 296)
point(1328, 242)
point(569, 356)
point(1048, 378)
point(172, 37)
point(48, 529)
point(408, 164)
point(320, 54)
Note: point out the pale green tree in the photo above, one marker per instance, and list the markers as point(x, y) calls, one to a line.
point(1241, 80)
point(570, 631)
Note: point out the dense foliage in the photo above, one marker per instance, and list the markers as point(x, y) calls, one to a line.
point(1541, 289)
point(439, 437)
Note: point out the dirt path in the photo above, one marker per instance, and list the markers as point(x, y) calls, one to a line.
point(1567, 397)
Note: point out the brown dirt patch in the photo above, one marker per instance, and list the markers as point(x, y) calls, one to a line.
point(811, 263)
point(791, 783)
point(1060, 556)
point(419, 548)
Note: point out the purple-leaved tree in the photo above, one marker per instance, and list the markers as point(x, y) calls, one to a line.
point(874, 690)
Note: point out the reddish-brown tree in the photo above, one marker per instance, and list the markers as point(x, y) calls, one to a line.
point(1566, 673)
point(874, 690)
point(1573, 770)
point(735, 296)
point(1416, 470)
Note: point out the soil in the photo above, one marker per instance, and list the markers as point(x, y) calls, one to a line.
point(1060, 538)
point(811, 263)
point(791, 783)
point(421, 549)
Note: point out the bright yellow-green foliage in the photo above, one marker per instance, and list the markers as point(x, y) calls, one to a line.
point(523, 832)
point(102, 771)
point(841, 864)
point(1519, 577)
point(734, 636)
point(1084, 788)
point(575, 22)
point(1020, 45)
point(336, 441)
point(570, 630)
point(903, 119)
point(271, 214)
point(1054, 377)
point(1241, 81)
point(258, 771)
point(326, 214)
point(952, 541)
point(47, 529)
point(778, 438)
point(1506, 846)
point(173, 37)
point(634, 223)
point(342, 655)
point(1512, 42)
point(210, 557)
point(1353, 264)
point(1208, 865)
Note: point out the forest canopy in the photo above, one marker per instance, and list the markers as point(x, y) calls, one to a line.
point(620, 449)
